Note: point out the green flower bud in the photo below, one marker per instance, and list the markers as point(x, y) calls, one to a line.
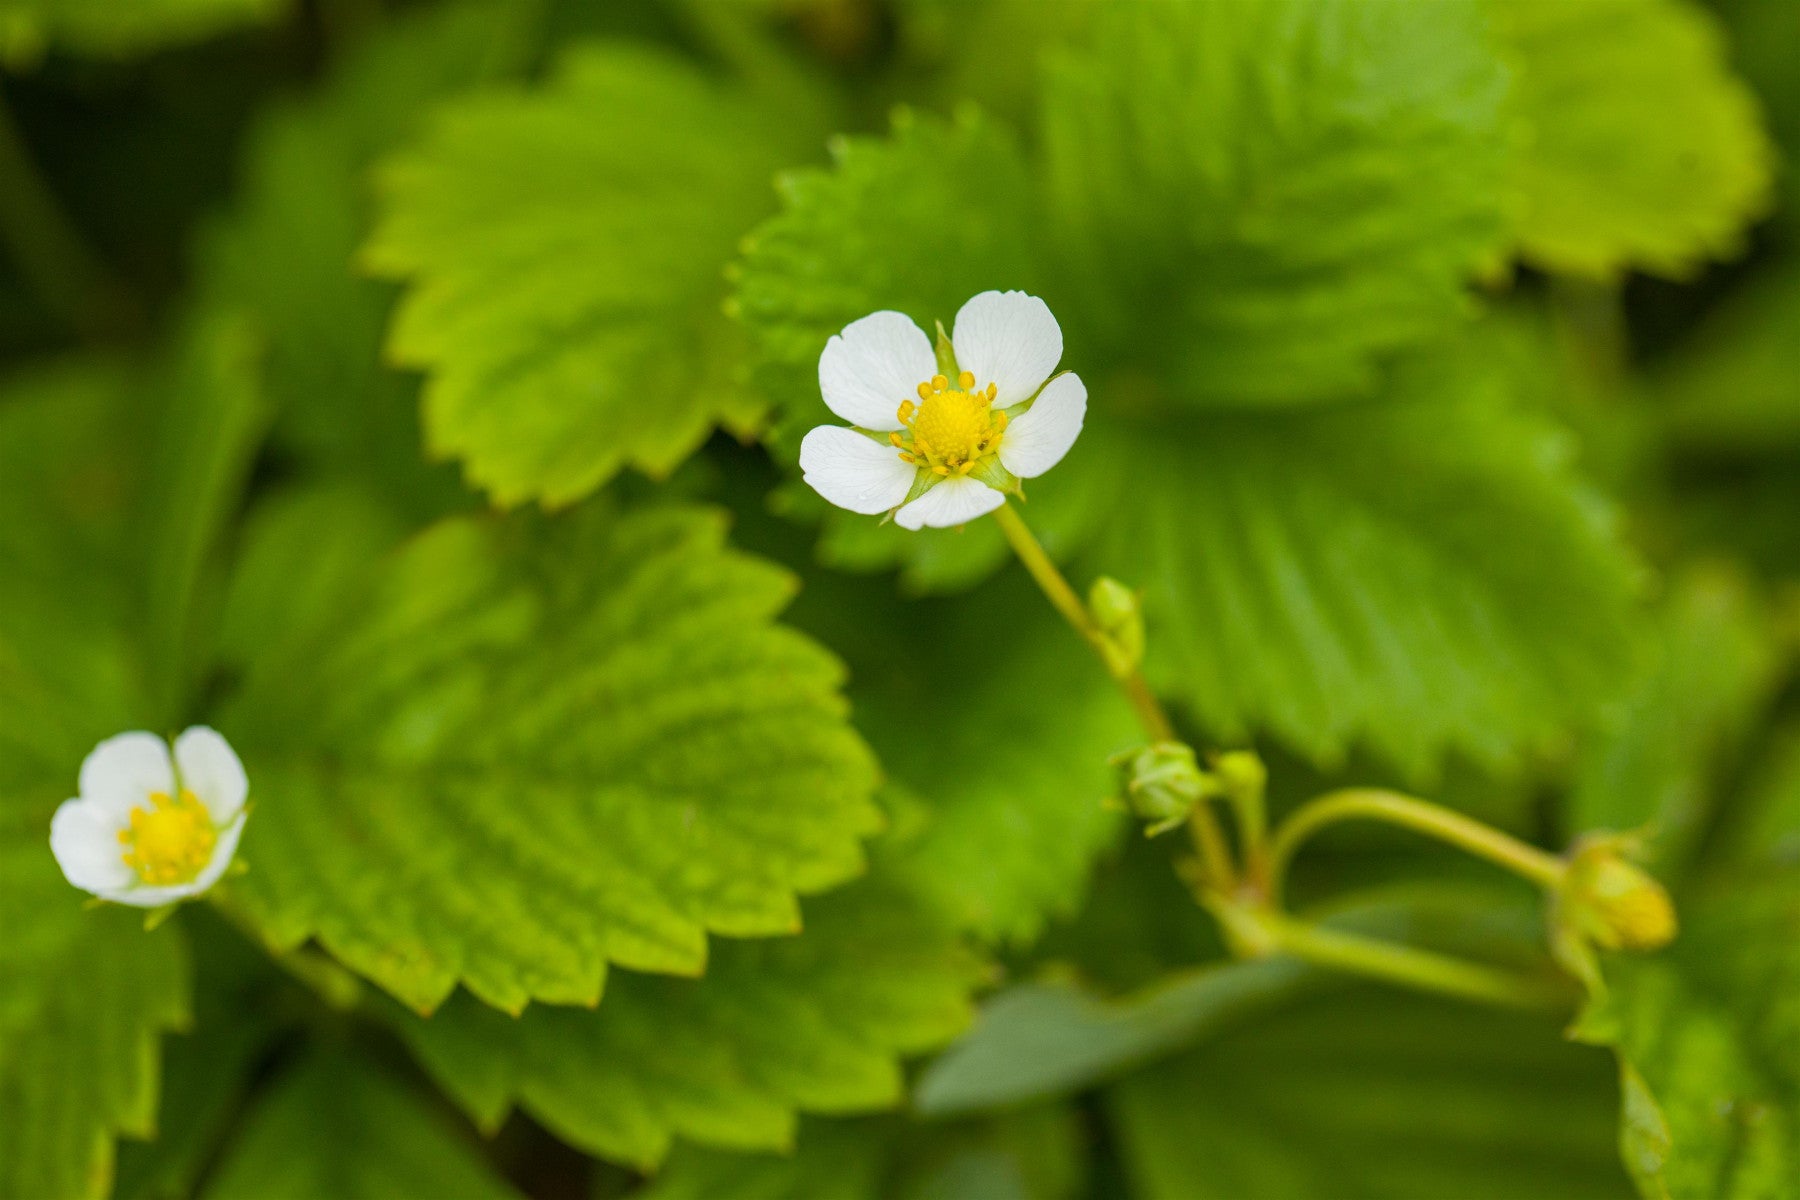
point(1117, 611)
point(1161, 783)
point(1241, 773)
point(1613, 902)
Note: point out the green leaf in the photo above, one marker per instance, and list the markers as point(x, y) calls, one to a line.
point(1058, 1036)
point(518, 750)
point(1707, 1048)
point(1373, 1095)
point(1656, 768)
point(1772, 828)
point(1730, 389)
point(809, 1023)
point(104, 29)
point(1033, 1154)
point(564, 250)
point(283, 254)
point(211, 421)
point(1642, 150)
point(917, 222)
point(335, 1127)
point(1011, 773)
point(87, 994)
point(1262, 198)
point(1421, 572)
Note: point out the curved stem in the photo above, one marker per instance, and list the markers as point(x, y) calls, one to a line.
point(1375, 804)
point(1208, 838)
point(1409, 966)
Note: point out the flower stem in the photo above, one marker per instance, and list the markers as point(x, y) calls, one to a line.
point(1410, 966)
point(1208, 838)
point(1050, 580)
point(1374, 804)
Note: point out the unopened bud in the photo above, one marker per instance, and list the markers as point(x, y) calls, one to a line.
point(1614, 902)
point(1161, 783)
point(1241, 774)
point(1120, 617)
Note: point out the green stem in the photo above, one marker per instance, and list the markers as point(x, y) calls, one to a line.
point(1409, 966)
point(1208, 838)
point(1374, 804)
point(46, 246)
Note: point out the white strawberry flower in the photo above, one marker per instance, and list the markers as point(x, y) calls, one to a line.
point(148, 831)
point(943, 448)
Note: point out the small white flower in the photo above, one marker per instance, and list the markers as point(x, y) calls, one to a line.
point(146, 831)
point(943, 452)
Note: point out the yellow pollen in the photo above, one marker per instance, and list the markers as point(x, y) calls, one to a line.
point(169, 842)
point(950, 430)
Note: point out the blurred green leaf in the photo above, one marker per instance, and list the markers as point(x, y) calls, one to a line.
point(1707, 1043)
point(87, 994)
point(1657, 767)
point(1642, 150)
point(283, 254)
point(811, 1023)
point(564, 249)
point(1012, 770)
point(107, 29)
point(1734, 387)
point(516, 751)
point(212, 420)
point(1261, 198)
point(830, 1160)
point(334, 1127)
point(1422, 572)
point(1374, 1095)
point(1055, 1037)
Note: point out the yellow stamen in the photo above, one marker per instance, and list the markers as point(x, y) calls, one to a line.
point(952, 430)
point(171, 841)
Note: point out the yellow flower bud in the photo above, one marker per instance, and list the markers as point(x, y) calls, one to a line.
point(1615, 903)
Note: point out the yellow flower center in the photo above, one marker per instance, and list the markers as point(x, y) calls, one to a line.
point(171, 841)
point(951, 430)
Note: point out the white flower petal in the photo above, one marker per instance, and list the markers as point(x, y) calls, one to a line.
point(210, 769)
point(1009, 339)
point(853, 471)
point(955, 501)
point(866, 371)
point(122, 771)
point(84, 837)
point(1036, 440)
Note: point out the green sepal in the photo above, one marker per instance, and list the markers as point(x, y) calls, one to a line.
point(946, 355)
point(923, 482)
point(998, 477)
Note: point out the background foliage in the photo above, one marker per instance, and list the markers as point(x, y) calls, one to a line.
point(412, 391)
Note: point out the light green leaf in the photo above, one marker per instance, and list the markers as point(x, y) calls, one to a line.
point(283, 254)
point(1374, 1095)
point(104, 28)
point(1656, 768)
point(811, 1023)
point(517, 751)
point(917, 222)
point(1642, 150)
point(1262, 198)
point(1011, 772)
point(335, 1127)
point(1421, 572)
point(564, 249)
